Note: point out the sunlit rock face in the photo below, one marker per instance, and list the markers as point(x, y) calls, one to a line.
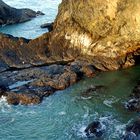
point(106, 33)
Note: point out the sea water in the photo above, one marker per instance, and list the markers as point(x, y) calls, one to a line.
point(31, 29)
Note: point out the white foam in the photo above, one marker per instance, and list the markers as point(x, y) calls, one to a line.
point(109, 102)
point(4, 106)
point(62, 113)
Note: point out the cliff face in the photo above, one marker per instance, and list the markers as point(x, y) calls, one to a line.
point(22, 53)
point(106, 33)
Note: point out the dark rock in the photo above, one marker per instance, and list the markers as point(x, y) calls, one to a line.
point(130, 136)
point(39, 13)
point(133, 131)
point(94, 129)
point(49, 26)
point(10, 15)
point(133, 104)
point(92, 89)
point(3, 90)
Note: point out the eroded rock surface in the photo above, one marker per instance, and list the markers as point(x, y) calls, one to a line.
point(31, 85)
point(10, 15)
point(107, 33)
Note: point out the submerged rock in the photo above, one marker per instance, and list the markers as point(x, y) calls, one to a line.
point(94, 129)
point(10, 15)
point(134, 103)
point(133, 131)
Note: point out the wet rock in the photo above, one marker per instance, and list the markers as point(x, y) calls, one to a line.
point(10, 15)
point(3, 90)
point(39, 13)
point(22, 98)
point(89, 71)
point(133, 104)
point(133, 131)
point(130, 136)
point(49, 26)
point(59, 81)
point(92, 89)
point(94, 129)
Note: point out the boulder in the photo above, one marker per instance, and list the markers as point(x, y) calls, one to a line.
point(94, 129)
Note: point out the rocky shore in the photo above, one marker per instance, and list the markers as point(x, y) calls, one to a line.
point(103, 38)
point(10, 15)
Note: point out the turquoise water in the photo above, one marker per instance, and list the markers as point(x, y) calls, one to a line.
point(32, 28)
point(65, 114)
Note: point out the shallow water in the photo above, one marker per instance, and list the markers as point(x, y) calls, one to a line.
point(64, 115)
point(31, 29)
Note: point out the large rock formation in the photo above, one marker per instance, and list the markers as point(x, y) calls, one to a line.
point(10, 15)
point(21, 52)
point(107, 32)
point(85, 35)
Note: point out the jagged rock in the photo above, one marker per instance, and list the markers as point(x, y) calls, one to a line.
point(49, 26)
point(30, 86)
point(99, 31)
point(22, 98)
point(10, 15)
point(59, 81)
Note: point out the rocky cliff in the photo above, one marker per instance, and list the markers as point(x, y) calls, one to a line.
point(106, 33)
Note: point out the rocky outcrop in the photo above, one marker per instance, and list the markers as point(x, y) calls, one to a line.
point(100, 33)
point(106, 33)
point(10, 15)
point(49, 26)
point(31, 85)
point(13, 52)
